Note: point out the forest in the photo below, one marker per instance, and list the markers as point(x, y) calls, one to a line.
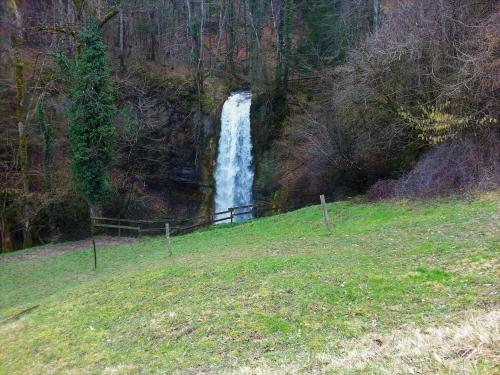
point(249, 187)
point(388, 98)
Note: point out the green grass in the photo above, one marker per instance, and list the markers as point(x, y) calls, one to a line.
point(275, 289)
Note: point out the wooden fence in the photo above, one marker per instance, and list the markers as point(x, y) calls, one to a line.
point(140, 227)
point(164, 226)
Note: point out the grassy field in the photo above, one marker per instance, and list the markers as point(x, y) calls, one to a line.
point(400, 286)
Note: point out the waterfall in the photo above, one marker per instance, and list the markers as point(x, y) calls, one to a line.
point(234, 169)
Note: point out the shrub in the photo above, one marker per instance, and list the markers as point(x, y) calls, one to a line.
point(457, 167)
point(382, 189)
point(400, 91)
point(460, 166)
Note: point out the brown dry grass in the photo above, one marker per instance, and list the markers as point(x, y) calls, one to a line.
point(469, 347)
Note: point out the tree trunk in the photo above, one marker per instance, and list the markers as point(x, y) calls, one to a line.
point(6, 240)
point(95, 210)
point(279, 44)
point(376, 15)
point(5, 234)
point(21, 126)
point(152, 53)
point(287, 41)
point(284, 43)
point(47, 137)
point(230, 36)
point(23, 149)
point(121, 37)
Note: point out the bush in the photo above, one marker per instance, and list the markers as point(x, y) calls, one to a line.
point(382, 189)
point(398, 92)
point(457, 167)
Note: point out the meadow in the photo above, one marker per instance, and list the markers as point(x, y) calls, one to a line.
point(400, 286)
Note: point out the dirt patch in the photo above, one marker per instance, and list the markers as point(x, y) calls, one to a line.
point(55, 249)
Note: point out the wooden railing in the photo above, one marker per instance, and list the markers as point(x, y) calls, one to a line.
point(234, 212)
point(127, 225)
point(140, 227)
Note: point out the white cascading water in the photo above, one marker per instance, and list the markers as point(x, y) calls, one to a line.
point(234, 170)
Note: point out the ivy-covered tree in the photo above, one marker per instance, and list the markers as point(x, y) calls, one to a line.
point(91, 108)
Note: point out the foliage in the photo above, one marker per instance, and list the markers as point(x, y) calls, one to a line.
point(456, 167)
point(142, 26)
point(437, 124)
point(276, 288)
point(403, 89)
point(127, 122)
point(377, 102)
point(319, 42)
point(382, 189)
point(91, 109)
point(67, 67)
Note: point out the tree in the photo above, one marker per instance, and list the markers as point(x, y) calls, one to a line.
point(257, 12)
point(48, 154)
point(17, 41)
point(376, 15)
point(284, 43)
point(324, 35)
point(91, 133)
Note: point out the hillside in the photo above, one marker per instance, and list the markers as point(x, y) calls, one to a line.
point(400, 285)
point(388, 98)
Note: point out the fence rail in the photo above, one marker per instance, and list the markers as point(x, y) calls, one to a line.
point(158, 226)
point(199, 222)
point(116, 226)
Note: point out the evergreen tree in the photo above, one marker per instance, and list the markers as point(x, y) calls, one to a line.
point(91, 109)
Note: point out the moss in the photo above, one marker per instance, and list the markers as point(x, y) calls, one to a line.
point(215, 93)
point(46, 76)
point(23, 144)
point(181, 86)
point(267, 113)
point(207, 176)
point(207, 103)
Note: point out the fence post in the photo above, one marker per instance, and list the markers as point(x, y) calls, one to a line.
point(93, 241)
point(231, 212)
point(326, 218)
point(95, 254)
point(168, 239)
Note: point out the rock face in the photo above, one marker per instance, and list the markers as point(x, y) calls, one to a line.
point(164, 161)
point(267, 114)
point(168, 157)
